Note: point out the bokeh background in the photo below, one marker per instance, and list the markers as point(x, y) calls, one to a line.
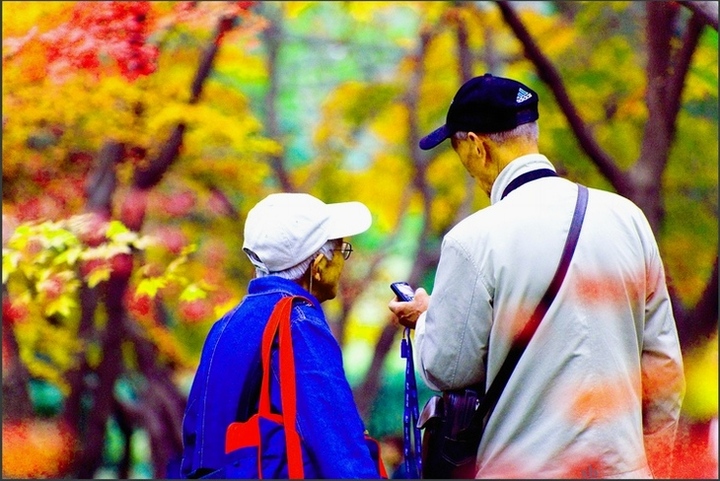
point(137, 135)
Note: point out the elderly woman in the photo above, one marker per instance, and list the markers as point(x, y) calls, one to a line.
point(297, 244)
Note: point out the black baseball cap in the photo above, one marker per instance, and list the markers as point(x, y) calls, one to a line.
point(486, 104)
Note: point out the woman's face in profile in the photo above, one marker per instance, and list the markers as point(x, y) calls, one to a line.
point(330, 270)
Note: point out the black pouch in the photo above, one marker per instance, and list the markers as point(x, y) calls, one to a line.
point(449, 449)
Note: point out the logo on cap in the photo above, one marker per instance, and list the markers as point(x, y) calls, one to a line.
point(522, 96)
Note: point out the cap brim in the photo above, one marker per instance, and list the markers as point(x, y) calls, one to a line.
point(347, 219)
point(434, 138)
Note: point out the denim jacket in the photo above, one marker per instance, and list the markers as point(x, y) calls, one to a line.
point(327, 418)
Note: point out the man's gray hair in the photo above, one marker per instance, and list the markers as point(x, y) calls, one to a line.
point(529, 131)
point(296, 271)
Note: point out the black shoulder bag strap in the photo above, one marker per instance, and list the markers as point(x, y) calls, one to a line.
point(518, 347)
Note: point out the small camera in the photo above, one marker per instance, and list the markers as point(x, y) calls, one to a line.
point(403, 291)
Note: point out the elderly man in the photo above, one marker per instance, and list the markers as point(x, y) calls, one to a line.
point(297, 245)
point(597, 392)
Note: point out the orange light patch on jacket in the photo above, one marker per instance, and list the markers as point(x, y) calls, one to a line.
point(661, 380)
point(578, 465)
point(607, 289)
point(602, 400)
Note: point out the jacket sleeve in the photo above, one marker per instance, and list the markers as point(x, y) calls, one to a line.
point(328, 421)
point(663, 379)
point(452, 336)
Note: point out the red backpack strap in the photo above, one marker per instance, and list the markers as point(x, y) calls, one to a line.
point(280, 321)
point(271, 329)
point(375, 452)
point(289, 392)
point(242, 434)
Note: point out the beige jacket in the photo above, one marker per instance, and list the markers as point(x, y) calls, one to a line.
point(603, 375)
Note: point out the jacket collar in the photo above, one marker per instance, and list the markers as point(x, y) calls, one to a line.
point(275, 284)
point(515, 168)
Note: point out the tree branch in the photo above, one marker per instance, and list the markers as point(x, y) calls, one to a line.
point(162, 398)
point(272, 35)
point(466, 73)
point(16, 398)
point(146, 178)
point(464, 55)
point(366, 393)
point(681, 66)
point(107, 373)
point(702, 321)
point(127, 417)
point(647, 171)
point(551, 77)
point(100, 184)
point(707, 11)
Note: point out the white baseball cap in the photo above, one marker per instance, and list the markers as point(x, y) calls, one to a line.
point(282, 230)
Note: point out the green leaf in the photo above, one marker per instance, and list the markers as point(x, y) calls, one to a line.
point(115, 228)
point(69, 256)
point(60, 238)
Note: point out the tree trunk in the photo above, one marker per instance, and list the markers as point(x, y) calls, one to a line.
point(273, 36)
point(101, 187)
point(15, 380)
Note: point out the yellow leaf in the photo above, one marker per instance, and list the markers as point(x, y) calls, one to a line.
point(143, 242)
point(223, 308)
point(93, 354)
point(62, 305)
point(105, 251)
point(150, 286)
point(69, 256)
point(701, 371)
point(192, 292)
point(98, 275)
point(295, 9)
point(9, 263)
point(117, 232)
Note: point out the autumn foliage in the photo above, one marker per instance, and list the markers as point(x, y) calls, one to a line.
point(83, 294)
point(137, 135)
point(36, 449)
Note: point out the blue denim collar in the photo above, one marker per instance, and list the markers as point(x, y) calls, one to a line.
point(271, 284)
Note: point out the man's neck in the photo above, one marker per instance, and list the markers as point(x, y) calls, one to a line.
point(508, 152)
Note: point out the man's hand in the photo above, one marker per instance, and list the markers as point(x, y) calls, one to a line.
point(407, 313)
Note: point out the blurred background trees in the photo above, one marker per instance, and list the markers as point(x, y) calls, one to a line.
point(137, 135)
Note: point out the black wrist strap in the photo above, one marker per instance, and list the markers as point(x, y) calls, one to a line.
point(518, 347)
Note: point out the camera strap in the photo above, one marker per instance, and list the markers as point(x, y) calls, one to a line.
point(493, 393)
point(412, 442)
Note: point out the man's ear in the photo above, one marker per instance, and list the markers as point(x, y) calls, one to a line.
point(480, 154)
point(485, 148)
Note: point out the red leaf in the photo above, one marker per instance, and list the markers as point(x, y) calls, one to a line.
point(118, 30)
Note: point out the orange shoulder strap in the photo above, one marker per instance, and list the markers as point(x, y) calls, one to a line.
point(280, 321)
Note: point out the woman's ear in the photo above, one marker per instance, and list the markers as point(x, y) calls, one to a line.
point(318, 265)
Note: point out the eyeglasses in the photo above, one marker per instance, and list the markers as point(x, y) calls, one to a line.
point(346, 249)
